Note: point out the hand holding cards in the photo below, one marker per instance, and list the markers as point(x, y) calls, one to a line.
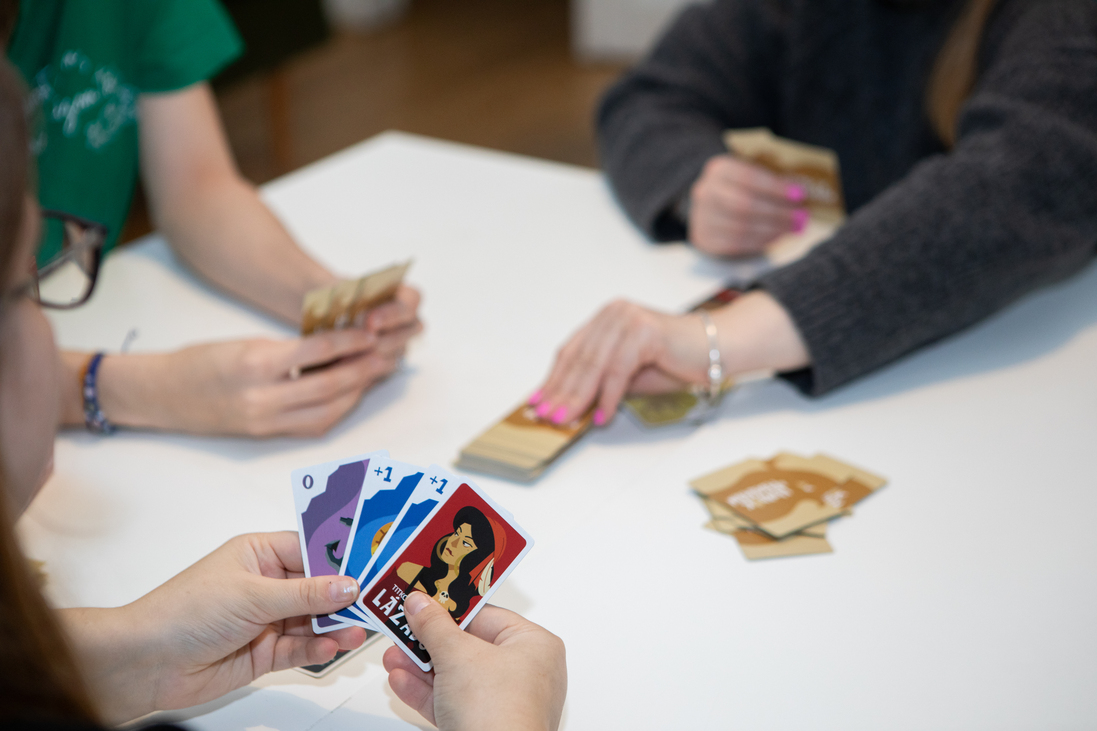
point(780, 507)
point(347, 303)
point(404, 529)
point(814, 169)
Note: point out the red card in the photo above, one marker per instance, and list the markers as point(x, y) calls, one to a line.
point(458, 556)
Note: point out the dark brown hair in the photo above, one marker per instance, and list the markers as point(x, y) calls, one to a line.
point(9, 14)
point(38, 675)
point(956, 69)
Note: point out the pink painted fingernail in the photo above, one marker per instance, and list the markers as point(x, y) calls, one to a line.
point(535, 398)
point(544, 409)
point(560, 414)
point(795, 193)
point(599, 417)
point(799, 220)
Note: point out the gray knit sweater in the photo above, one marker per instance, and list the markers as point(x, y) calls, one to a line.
point(936, 240)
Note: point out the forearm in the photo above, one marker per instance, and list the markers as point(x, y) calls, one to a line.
point(134, 389)
point(755, 333)
point(212, 217)
point(117, 659)
point(224, 232)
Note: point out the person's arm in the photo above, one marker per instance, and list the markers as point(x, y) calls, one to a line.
point(217, 225)
point(627, 348)
point(1010, 208)
point(239, 613)
point(241, 387)
point(213, 219)
point(961, 236)
point(718, 67)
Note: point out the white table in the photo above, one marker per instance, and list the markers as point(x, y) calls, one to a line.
point(962, 595)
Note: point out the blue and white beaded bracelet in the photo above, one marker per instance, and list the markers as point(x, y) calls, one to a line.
point(94, 419)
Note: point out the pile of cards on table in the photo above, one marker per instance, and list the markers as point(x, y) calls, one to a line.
point(782, 506)
point(396, 527)
point(521, 445)
point(346, 304)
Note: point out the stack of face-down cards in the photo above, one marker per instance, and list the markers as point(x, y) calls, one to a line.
point(396, 528)
point(782, 506)
point(347, 303)
point(815, 169)
point(521, 445)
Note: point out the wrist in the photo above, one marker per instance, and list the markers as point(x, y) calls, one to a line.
point(117, 658)
point(133, 390)
point(757, 334)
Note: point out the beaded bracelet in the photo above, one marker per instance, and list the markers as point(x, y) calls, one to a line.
point(94, 419)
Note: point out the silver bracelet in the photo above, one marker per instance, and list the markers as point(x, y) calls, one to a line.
point(715, 393)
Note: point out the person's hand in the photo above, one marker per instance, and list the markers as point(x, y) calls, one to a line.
point(736, 208)
point(504, 673)
point(626, 348)
point(240, 612)
point(256, 387)
point(395, 322)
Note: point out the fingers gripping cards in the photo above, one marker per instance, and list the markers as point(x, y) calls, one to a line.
point(346, 304)
point(412, 529)
point(458, 556)
point(815, 169)
point(780, 507)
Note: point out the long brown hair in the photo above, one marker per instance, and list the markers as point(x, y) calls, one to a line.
point(956, 69)
point(39, 678)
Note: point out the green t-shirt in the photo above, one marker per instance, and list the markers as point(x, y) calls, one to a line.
point(85, 62)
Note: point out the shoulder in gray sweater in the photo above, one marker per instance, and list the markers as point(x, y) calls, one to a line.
point(936, 240)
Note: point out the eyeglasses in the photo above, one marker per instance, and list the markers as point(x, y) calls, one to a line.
point(67, 279)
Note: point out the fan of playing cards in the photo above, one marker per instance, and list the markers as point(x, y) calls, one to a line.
point(398, 528)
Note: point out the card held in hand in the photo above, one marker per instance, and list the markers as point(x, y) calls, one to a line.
point(458, 557)
point(347, 303)
point(326, 498)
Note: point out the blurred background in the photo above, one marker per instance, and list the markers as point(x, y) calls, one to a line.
point(520, 76)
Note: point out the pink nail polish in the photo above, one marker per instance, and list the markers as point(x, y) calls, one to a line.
point(799, 220)
point(795, 193)
point(599, 417)
point(535, 398)
point(544, 409)
point(560, 414)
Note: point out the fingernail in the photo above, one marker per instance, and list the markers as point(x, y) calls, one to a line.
point(560, 415)
point(544, 409)
point(415, 603)
point(795, 193)
point(535, 398)
point(343, 589)
point(599, 417)
point(799, 220)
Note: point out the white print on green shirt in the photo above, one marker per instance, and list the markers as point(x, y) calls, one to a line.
point(101, 106)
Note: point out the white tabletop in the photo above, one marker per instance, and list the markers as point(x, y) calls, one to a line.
point(962, 595)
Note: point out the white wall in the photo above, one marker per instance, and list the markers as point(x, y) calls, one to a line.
point(618, 29)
